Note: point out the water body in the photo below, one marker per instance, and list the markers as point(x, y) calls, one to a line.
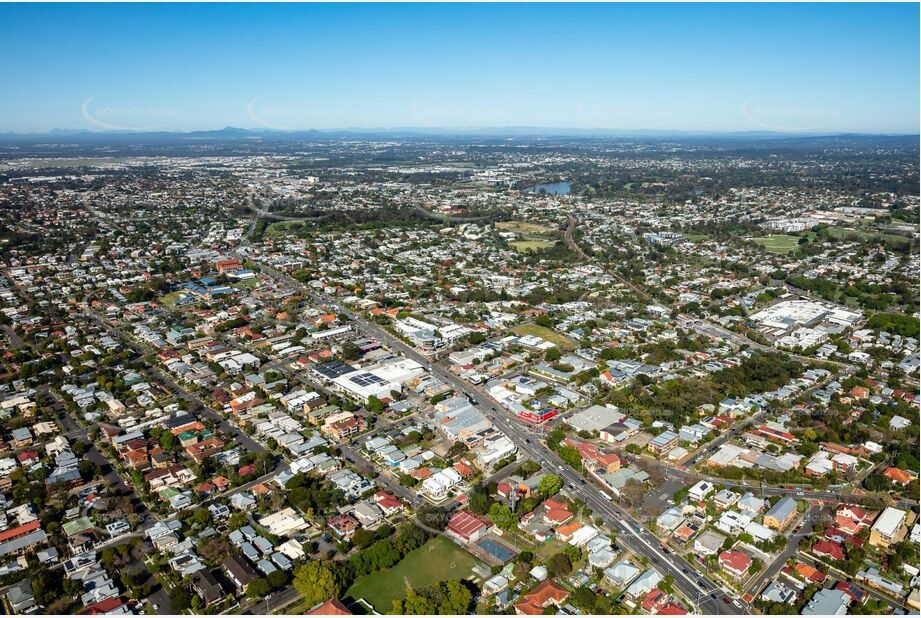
point(553, 188)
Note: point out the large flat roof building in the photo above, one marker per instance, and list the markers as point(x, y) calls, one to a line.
point(594, 418)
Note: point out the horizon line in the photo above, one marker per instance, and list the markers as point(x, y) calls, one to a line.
point(461, 129)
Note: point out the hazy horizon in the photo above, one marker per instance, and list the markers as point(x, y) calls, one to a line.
point(694, 68)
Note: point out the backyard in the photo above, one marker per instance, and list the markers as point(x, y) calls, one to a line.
point(438, 560)
point(560, 340)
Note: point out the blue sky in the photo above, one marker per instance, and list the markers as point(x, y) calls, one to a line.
point(780, 67)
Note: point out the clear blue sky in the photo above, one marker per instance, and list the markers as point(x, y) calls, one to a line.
point(784, 67)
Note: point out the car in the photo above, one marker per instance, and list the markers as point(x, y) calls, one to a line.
point(737, 604)
point(799, 493)
point(726, 600)
point(156, 606)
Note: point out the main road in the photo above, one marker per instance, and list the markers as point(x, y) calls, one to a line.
point(696, 587)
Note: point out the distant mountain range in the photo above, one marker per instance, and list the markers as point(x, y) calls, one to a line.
point(522, 131)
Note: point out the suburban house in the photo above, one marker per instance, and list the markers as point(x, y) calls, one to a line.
point(781, 514)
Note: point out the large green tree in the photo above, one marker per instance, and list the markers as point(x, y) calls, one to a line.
point(317, 583)
point(549, 485)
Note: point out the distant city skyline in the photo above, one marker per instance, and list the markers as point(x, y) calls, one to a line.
point(790, 68)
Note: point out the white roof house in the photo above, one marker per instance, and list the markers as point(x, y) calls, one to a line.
point(701, 490)
point(889, 521)
point(583, 535)
point(284, 522)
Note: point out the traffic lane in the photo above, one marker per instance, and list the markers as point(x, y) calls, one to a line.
point(614, 518)
point(644, 543)
point(804, 530)
point(480, 399)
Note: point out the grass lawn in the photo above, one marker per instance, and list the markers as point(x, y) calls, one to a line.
point(778, 243)
point(438, 560)
point(534, 236)
point(544, 550)
point(558, 339)
point(533, 244)
point(889, 239)
point(697, 237)
point(169, 299)
point(246, 283)
point(280, 228)
point(523, 227)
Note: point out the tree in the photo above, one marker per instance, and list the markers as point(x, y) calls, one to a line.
point(215, 549)
point(168, 441)
point(374, 405)
point(350, 351)
point(414, 604)
point(667, 585)
point(570, 456)
point(258, 588)
point(201, 516)
point(433, 516)
point(549, 485)
point(444, 598)
point(551, 355)
point(479, 501)
point(559, 564)
point(583, 598)
point(502, 516)
point(317, 583)
point(362, 538)
point(633, 492)
point(180, 600)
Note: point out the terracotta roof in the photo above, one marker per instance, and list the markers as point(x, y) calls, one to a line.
point(557, 515)
point(534, 602)
point(808, 573)
point(898, 475)
point(19, 531)
point(333, 607)
point(735, 560)
point(463, 469)
point(672, 610)
point(102, 607)
point(828, 548)
point(566, 530)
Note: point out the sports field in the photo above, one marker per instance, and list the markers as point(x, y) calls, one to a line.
point(531, 245)
point(438, 560)
point(778, 243)
point(523, 227)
